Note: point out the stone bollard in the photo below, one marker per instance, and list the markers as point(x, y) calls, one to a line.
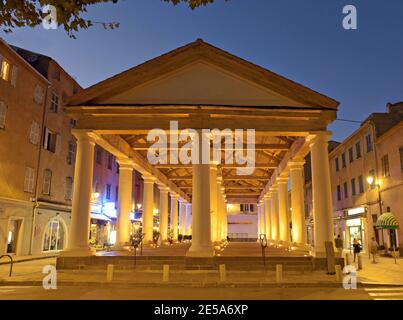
point(339, 274)
point(359, 260)
point(279, 273)
point(165, 273)
point(348, 259)
point(109, 272)
point(223, 274)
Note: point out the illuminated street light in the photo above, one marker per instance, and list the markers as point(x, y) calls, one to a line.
point(370, 180)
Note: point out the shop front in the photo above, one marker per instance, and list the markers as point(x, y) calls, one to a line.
point(351, 224)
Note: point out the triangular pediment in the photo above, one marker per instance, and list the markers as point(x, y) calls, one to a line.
point(201, 74)
point(201, 83)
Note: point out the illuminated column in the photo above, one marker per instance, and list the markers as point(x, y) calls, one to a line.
point(258, 221)
point(163, 211)
point(81, 206)
point(262, 217)
point(220, 226)
point(267, 218)
point(201, 224)
point(284, 224)
point(213, 202)
point(124, 204)
point(148, 208)
point(183, 217)
point(321, 191)
point(188, 219)
point(225, 218)
point(274, 213)
point(224, 222)
point(174, 215)
point(297, 202)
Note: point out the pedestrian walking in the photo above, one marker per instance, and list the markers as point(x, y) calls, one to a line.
point(339, 243)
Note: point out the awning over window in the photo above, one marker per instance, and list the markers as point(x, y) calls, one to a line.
point(98, 216)
point(387, 221)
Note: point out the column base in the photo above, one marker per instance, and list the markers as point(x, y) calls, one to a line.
point(300, 246)
point(78, 252)
point(200, 252)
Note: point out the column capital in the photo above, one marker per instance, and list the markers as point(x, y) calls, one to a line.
point(267, 195)
point(82, 135)
point(260, 203)
point(163, 189)
point(319, 136)
point(125, 164)
point(273, 189)
point(296, 165)
point(282, 180)
point(174, 195)
point(149, 179)
point(219, 180)
point(181, 200)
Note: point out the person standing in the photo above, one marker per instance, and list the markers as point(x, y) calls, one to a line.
point(374, 249)
point(357, 248)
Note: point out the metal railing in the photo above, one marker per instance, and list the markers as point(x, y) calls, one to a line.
point(11, 263)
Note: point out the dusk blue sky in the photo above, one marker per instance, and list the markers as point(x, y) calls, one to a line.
point(302, 40)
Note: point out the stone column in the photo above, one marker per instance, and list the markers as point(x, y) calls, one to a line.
point(183, 217)
point(81, 206)
point(163, 213)
point(284, 223)
point(124, 204)
point(321, 191)
point(188, 219)
point(201, 224)
point(148, 208)
point(262, 218)
point(275, 236)
point(225, 218)
point(220, 230)
point(174, 215)
point(213, 201)
point(297, 203)
point(258, 221)
point(267, 218)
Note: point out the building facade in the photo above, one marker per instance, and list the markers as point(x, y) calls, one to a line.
point(37, 178)
point(366, 178)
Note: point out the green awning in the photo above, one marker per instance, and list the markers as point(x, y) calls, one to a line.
point(387, 221)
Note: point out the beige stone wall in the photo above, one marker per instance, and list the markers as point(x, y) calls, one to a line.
point(58, 122)
point(16, 152)
point(392, 186)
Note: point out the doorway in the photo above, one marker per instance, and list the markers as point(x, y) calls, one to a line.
point(14, 236)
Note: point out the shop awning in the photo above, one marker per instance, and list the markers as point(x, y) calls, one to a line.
point(98, 216)
point(387, 221)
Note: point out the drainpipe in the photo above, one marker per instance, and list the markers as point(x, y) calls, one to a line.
point(37, 172)
point(377, 184)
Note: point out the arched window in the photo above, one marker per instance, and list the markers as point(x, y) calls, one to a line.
point(54, 236)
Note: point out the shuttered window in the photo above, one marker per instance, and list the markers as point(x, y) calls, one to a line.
point(3, 114)
point(34, 134)
point(47, 182)
point(29, 180)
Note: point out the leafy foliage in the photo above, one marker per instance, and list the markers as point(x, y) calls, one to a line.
point(22, 13)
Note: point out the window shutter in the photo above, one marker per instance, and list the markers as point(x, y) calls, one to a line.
point(46, 139)
point(34, 134)
point(29, 180)
point(3, 113)
point(14, 75)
